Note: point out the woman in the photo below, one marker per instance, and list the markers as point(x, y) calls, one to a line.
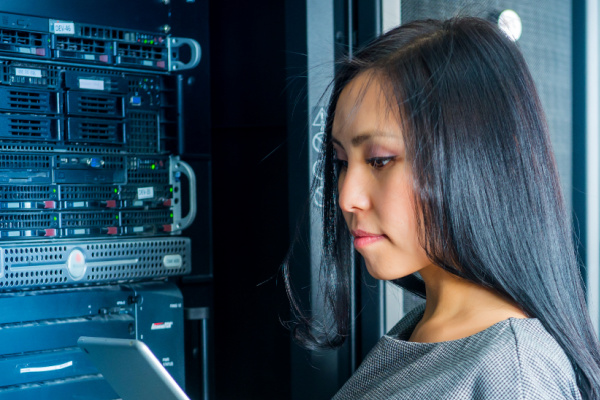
point(438, 161)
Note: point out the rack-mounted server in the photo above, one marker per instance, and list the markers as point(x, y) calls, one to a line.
point(90, 200)
point(40, 357)
point(88, 125)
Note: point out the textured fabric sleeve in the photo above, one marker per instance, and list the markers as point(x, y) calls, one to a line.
point(546, 372)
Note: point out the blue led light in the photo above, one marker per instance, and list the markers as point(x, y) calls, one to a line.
point(95, 162)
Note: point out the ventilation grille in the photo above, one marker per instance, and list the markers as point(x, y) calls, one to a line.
point(101, 33)
point(26, 255)
point(28, 101)
point(14, 220)
point(28, 148)
point(24, 161)
point(20, 38)
point(93, 71)
point(95, 131)
point(144, 171)
point(141, 52)
point(21, 127)
point(97, 105)
point(150, 256)
point(80, 45)
point(141, 177)
point(72, 192)
point(113, 162)
point(130, 260)
point(27, 192)
point(93, 149)
point(143, 132)
point(89, 219)
point(32, 278)
point(83, 103)
point(153, 217)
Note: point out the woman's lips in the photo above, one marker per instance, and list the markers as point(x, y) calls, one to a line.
point(363, 239)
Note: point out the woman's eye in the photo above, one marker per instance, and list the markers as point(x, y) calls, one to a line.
point(379, 162)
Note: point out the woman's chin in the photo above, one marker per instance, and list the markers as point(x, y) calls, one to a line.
point(383, 275)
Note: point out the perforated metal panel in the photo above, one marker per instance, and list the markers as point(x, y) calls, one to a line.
point(37, 266)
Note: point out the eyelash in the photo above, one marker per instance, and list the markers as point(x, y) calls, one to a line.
point(376, 163)
point(383, 161)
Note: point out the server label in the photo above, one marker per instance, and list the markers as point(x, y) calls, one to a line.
point(172, 261)
point(35, 73)
point(94, 84)
point(62, 28)
point(161, 325)
point(146, 193)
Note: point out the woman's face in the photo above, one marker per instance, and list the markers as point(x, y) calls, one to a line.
point(375, 182)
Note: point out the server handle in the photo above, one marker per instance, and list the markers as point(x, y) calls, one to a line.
point(184, 168)
point(175, 42)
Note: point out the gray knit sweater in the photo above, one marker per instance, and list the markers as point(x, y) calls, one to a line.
point(513, 359)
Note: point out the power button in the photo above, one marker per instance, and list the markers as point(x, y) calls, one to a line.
point(76, 264)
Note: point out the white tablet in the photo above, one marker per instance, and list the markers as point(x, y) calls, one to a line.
point(131, 369)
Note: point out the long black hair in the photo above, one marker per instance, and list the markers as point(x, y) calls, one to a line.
point(486, 189)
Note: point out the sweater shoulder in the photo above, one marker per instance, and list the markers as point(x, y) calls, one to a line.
point(545, 369)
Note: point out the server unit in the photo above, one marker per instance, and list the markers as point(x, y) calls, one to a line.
point(40, 357)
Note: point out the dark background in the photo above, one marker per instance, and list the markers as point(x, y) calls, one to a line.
point(250, 201)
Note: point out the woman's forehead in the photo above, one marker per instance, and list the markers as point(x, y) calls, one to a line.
point(365, 104)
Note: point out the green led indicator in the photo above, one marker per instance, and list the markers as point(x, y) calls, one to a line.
point(171, 190)
point(153, 166)
point(152, 42)
point(53, 190)
point(116, 190)
point(55, 218)
point(116, 217)
point(145, 40)
point(171, 215)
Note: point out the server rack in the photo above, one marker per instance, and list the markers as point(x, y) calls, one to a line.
point(93, 199)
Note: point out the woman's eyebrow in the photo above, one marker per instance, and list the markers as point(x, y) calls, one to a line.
point(363, 137)
point(334, 140)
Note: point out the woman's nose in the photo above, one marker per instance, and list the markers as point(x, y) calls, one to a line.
point(353, 190)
